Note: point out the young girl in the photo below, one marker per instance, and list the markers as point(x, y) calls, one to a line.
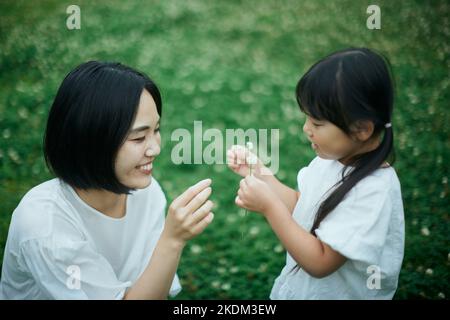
point(344, 229)
point(97, 231)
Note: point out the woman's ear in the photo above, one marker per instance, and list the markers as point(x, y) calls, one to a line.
point(362, 130)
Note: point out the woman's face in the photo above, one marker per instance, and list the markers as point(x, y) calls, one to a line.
point(134, 162)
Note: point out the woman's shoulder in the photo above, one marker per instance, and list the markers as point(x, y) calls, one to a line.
point(34, 217)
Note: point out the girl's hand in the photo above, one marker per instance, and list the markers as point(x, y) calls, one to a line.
point(189, 214)
point(238, 161)
point(255, 195)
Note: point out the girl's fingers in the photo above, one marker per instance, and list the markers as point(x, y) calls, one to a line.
point(199, 227)
point(239, 202)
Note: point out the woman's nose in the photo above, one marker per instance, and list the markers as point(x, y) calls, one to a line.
point(153, 149)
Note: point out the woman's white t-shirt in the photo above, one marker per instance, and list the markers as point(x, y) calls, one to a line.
point(367, 227)
point(59, 247)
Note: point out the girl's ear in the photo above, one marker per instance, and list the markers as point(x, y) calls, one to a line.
point(362, 130)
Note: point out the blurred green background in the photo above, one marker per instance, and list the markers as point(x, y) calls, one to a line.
point(234, 64)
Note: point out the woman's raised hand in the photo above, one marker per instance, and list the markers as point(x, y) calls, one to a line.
point(190, 213)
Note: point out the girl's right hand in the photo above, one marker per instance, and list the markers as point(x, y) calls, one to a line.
point(238, 161)
point(189, 214)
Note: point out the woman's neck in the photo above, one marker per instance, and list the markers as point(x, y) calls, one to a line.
point(110, 204)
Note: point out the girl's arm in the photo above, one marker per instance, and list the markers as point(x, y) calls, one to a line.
point(188, 216)
point(311, 254)
point(314, 256)
point(287, 195)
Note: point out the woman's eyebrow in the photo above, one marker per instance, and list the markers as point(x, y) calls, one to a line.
point(141, 128)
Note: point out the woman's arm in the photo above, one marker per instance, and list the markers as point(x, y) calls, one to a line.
point(188, 216)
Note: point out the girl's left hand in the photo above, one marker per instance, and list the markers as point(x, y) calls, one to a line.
point(255, 195)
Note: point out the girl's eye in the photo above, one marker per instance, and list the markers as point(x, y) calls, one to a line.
point(316, 124)
point(157, 129)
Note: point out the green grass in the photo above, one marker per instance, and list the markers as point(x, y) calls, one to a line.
point(234, 64)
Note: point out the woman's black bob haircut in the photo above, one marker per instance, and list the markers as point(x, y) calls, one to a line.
point(92, 113)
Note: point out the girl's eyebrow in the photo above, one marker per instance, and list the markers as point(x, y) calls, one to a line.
point(141, 128)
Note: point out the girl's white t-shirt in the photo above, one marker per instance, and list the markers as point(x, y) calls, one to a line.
point(59, 247)
point(367, 227)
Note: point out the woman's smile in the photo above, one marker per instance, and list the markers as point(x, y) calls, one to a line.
point(146, 168)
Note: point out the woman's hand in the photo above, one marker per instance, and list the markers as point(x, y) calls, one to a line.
point(239, 161)
point(255, 195)
point(189, 214)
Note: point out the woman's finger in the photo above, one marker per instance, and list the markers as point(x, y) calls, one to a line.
point(201, 212)
point(198, 200)
point(199, 227)
point(190, 193)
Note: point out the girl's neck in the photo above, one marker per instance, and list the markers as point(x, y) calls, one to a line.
point(361, 148)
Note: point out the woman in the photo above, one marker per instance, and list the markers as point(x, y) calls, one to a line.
point(97, 231)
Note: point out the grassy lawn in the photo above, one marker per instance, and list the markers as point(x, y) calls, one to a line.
point(234, 64)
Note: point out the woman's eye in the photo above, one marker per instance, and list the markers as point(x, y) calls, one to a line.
point(157, 129)
point(139, 139)
point(316, 124)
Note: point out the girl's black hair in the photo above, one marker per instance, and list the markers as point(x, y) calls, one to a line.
point(93, 110)
point(345, 87)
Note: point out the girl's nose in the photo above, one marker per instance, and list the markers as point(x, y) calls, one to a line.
point(306, 129)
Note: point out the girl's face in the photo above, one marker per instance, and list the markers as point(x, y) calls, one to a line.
point(329, 141)
point(134, 162)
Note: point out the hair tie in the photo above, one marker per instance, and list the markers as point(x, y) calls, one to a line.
point(388, 125)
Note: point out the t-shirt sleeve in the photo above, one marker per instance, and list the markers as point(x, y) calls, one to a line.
point(301, 176)
point(71, 270)
point(175, 288)
point(358, 226)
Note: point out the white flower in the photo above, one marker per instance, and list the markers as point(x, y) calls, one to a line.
point(6, 133)
point(231, 218)
point(278, 248)
point(262, 267)
point(234, 269)
point(425, 231)
point(254, 231)
point(215, 284)
point(252, 159)
point(429, 272)
point(226, 286)
point(221, 270)
point(196, 249)
point(441, 295)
